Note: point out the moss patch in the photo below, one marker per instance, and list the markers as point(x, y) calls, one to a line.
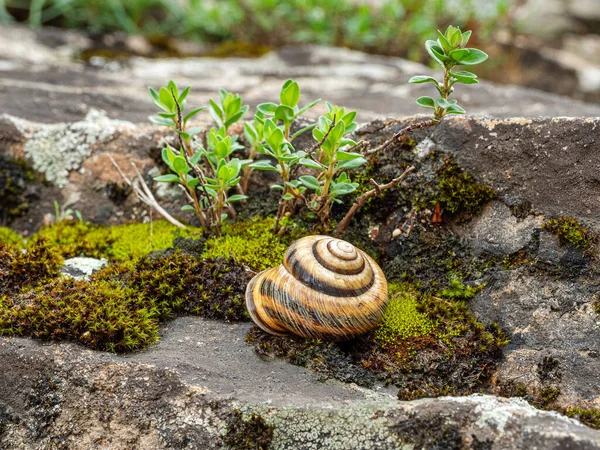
point(251, 243)
point(14, 178)
point(19, 270)
point(247, 433)
point(117, 243)
point(120, 308)
point(589, 417)
point(9, 237)
point(569, 231)
point(459, 193)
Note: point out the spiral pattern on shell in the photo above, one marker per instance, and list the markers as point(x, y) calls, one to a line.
point(326, 288)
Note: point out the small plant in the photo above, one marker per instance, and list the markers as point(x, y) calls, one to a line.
point(449, 51)
point(206, 172)
point(65, 213)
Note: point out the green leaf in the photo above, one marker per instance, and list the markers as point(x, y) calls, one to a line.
point(192, 113)
point(233, 119)
point(426, 102)
point(284, 113)
point(465, 38)
point(267, 108)
point(288, 196)
point(352, 164)
point(446, 46)
point(180, 165)
point(346, 156)
point(167, 99)
point(188, 208)
point(307, 107)
point(169, 178)
point(183, 95)
point(278, 187)
point(471, 57)
point(455, 38)
point(237, 198)
point(290, 94)
point(310, 182)
point(262, 165)
point(156, 98)
point(458, 54)
point(161, 121)
point(342, 189)
point(455, 109)
point(422, 79)
point(443, 103)
point(436, 52)
point(168, 156)
point(465, 77)
point(311, 164)
point(302, 130)
point(275, 139)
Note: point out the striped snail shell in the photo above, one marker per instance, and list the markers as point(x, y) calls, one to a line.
point(326, 288)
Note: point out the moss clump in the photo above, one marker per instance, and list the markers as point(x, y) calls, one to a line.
point(402, 320)
point(121, 306)
point(569, 231)
point(425, 345)
point(589, 417)
point(9, 237)
point(14, 177)
point(459, 193)
point(247, 433)
point(116, 243)
point(19, 269)
point(252, 243)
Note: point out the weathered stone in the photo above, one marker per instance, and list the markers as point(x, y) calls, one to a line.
point(546, 317)
point(47, 84)
point(498, 232)
point(61, 395)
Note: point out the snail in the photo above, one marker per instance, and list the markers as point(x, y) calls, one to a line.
point(326, 288)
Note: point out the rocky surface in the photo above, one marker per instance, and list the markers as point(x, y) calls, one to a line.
point(42, 79)
point(60, 396)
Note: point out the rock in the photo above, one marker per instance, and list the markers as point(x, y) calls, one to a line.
point(43, 87)
point(498, 232)
point(62, 395)
point(80, 268)
point(546, 317)
point(550, 164)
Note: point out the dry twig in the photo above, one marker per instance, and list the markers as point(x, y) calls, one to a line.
point(144, 193)
point(360, 201)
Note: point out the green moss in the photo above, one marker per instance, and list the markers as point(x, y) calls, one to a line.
point(14, 177)
point(121, 306)
point(459, 193)
point(589, 417)
point(9, 237)
point(116, 243)
point(252, 243)
point(402, 320)
point(247, 433)
point(19, 270)
point(569, 231)
point(457, 290)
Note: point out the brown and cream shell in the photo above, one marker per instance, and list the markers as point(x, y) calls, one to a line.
point(326, 288)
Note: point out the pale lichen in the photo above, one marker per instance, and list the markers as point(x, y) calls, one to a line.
point(57, 149)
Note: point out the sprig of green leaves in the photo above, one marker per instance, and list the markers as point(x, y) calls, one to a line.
point(449, 51)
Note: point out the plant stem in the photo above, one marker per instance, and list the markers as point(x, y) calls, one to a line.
point(360, 201)
point(400, 134)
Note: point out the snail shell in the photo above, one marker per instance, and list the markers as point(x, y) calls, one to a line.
point(326, 288)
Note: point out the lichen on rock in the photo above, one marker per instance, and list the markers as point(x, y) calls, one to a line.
point(57, 149)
